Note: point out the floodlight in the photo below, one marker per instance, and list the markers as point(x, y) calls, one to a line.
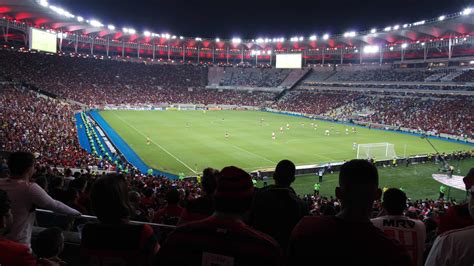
point(111, 27)
point(218, 40)
point(95, 23)
point(236, 40)
point(313, 38)
point(80, 19)
point(441, 18)
point(326, 36)
point(301, 38)
point(259, 40)
point(404, 45)
point(198, 39)
point(44, 3)
point(391, 48)
point(373, 31)
point(396, 27)
point(388, 28)
point(181, 37)
point(147, 33)
point(269, 52)
point(467, 11)
point(405, 25)
point(371, 49)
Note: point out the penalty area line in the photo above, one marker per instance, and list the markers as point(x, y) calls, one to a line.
point(156, 144)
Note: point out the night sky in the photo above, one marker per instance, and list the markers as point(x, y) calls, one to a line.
point(258, 18)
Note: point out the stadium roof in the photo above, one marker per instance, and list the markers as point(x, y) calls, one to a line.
point(39, 13)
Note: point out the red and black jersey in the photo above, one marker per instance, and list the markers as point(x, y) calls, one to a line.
point(218, 241)
point(333, 241)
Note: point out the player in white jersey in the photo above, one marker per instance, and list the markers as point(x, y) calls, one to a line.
point(347, 131)
point(281, 129)
point(354, 146)
point(287, 126)
point(326, 132)
point(273, 135)
point(148, 140)
point(354, 130)
point(409, 232)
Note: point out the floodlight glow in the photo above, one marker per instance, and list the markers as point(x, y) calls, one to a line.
point(44, 3)
point(132, 31)
point(301, 38)
point(467, 11)
point(371, 49)
point(111, 27)
point(125, 30)
point(281, 39)
point(405, 25)
point(313, 38)
point(391, 48)
point(173, 37)
point(236, 40)
point(388, 28)
point(441, 18)
point(404, 45)
point(218, 40)
point(422, 44)
point(373, 31)
point(80, 19)
point(325, 36)
point(419, 23)
point(259, 40)
point(181, 37)
point(198, 39)
point(96, 23)
point(396, 27)
point(147, 33)
point(269, 52)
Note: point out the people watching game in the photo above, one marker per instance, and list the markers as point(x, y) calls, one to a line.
point(350, 230)
point(410, 233)
point(223, 238)
point(276, 209)
point(454, 247)
point(26, 197)
point(137, 243)
point(48, 246)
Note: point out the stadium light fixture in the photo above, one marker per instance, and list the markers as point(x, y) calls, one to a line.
point(405, 26)
point(111, 27)
point(218, 40)
point(173, 37)
point(198, 39)
point(132, 31)
point(387, 28)
point(80, 19)
point(269, 52)
point(404, 45)
point(313, 38)
point(236, 40)
point(326, 36)
point(44, 3)
point(441, 18)
point(181, 37)
point(125, 30)
point(419, 23)
point(96, 23)
point(373, 31)
point(371, 49)
point(281, 39)
point(259, 40)
point(422, 44)
point(391, 48)
point(467, 11)
point(396, 27)
point(301, 38)
point(147, 33)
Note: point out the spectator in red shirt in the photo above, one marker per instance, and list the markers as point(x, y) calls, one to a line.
point(11, 253)
point(349, 238)
point(172, 211)
point(223, 238)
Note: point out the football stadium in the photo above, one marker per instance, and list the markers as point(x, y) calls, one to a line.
point(125, 146)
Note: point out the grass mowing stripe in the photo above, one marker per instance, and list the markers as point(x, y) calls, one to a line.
point(156, 144)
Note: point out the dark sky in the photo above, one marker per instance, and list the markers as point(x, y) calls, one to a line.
point(258, 18)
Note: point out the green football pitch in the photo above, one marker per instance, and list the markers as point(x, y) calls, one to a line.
point(189, 141)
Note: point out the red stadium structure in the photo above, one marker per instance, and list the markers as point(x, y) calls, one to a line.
point(445, 38)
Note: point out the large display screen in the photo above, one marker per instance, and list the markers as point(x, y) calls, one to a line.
point(43, 41)
point(289, 60)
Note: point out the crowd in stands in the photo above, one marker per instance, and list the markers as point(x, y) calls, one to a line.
point(466, 76)
point(254, 77)
point(447, 114)
point(222, 211)
point(381, 75)
point(392, 86)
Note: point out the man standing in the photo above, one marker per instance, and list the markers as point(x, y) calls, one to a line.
point(317, 187)
point(409, 232)
point(320, 174)
point(442, 190)
point(357, 240)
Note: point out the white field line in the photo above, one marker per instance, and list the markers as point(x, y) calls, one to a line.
point(156, 144)
point(254, 154)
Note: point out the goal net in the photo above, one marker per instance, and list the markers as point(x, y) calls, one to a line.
point(379, 151)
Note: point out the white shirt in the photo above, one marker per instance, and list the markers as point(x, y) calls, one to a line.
point(25, 197)
point(455, 247)
point(409, 232)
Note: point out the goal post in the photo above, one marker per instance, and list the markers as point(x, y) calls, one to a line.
point(379, 151)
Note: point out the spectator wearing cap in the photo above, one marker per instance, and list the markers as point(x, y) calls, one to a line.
point(276, 209)
point(223, 238)
point(26, 196)
point(203, 206)
point(357, 240)
point(11, 252)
